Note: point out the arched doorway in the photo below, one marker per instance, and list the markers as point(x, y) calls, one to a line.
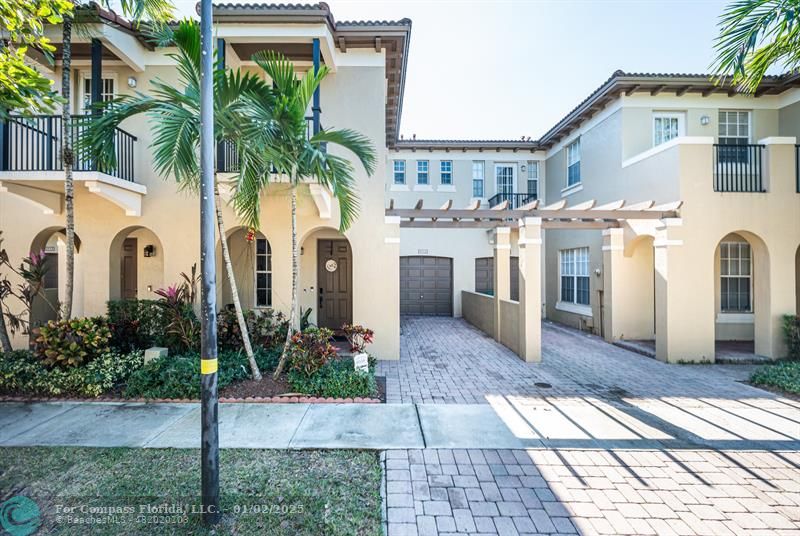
point(741, 296)
point(136, 264)
point(251, 257)
point(326, 277)
point(52, 242)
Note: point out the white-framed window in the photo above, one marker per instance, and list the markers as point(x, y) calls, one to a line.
point(574, 162)
point(504, 176)
point(399, 171)
point(533, 179)
point(736, 277)
point(263, 271)
point(667, 126)
point(446, 172)
point(734, 129)
point(107, 93)
point(422, 172)
point(574, 276)
point(478, 176)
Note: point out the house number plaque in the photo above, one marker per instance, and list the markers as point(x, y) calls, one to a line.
point(331, 265)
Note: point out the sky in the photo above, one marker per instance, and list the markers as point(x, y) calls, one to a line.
point(480, 69)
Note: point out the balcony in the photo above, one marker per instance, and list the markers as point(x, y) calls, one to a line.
point(515, 200)
point(34, 144)
point(228, 158)
point(739, 168)
point(31, 164)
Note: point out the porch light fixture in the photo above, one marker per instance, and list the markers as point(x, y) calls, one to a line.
point(131, 82)
point(522, 168)
point(150, 250)
point(704, 120)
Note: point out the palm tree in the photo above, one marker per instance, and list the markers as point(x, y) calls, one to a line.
point(297, 157)
point(157, 11)
point(755, 35)
point(175, 114)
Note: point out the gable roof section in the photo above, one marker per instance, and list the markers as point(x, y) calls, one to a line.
point(392, 36)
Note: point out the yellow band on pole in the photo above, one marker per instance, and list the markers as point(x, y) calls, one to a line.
point(208, 366)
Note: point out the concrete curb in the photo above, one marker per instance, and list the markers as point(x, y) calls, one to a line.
point(223, 400)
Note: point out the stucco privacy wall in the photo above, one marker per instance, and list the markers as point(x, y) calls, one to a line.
point(353, 97)
point(478, 310)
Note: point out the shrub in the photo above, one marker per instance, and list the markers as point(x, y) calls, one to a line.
point(791, 330)
point(182, 329)
point(785, 376)
point(358, 336)
point(69, 343)
point(337, 379)
point(136, 324)
point(309, 350)
point(179, 376)
point(266, 328)
point(23, 373)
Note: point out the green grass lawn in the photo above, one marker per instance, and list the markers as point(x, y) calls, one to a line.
point(263, 491)
point(784, 376)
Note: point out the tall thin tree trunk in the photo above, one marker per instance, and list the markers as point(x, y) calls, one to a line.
point(293, 310)
point(5, 341)
point(237, 304)
point(68, 159)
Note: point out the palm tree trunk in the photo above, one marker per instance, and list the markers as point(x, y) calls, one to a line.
point(68, 160)
point(237, 304)
point(5, 341)
point(293, 310)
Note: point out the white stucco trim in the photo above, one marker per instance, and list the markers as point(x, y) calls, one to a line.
point(423, 188)
point(778, 140)
point(569, 190)
point(446, 188)
point(613, 248)
point(736, 318)
point(399, 188)
point(681, 140)
point(574, 308)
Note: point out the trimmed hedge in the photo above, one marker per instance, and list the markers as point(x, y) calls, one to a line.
point(137, 324)
point(791, 330)
point(22, 373)
point(337, 379)
point(784, 376)
point(179, 376)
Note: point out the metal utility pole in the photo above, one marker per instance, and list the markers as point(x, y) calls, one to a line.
point(209, 449)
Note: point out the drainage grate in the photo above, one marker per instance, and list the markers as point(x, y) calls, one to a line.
point(543, 385)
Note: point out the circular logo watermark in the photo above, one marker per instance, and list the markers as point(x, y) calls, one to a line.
point(20, 516)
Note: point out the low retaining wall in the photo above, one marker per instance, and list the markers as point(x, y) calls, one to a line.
point(478, 310)
point(509, 325)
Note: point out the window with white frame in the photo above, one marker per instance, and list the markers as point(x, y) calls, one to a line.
point(263, 270)
point(667, 126)
point(446, 172)
point(478, 175)
point(422, 172)
point(399, 171)
point(504, 174)
point(574, 162)
point(107, 93)
point(574, 275)
point(736, 262)
point(533, 179)
point(734, 129)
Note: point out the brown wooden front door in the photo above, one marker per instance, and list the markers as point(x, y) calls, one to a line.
point(128, 278)
point(335, 283)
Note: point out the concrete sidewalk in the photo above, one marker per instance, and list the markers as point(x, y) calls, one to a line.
point(502, 424)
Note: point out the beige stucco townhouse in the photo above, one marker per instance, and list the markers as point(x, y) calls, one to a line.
point(713, 256)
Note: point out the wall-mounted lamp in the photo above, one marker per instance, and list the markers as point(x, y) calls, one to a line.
point(597, 272)
point(523, 168)
point(704, 120)
point(302, 250)
point(150, 250)
point(131, 82)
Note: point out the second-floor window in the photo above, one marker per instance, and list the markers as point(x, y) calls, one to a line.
point(446, 172)
point(399, 171)
point(574, 163)
point(734, 129)
point(574, 272)
point(422, 172)
point(107, 93)
point(263, 270)
point(505, 179)
point(533, 178)
point(735, 269)
point(666, 126)
point(478, 169)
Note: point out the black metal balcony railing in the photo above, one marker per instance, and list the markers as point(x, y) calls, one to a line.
point(739, 168)
point(515, 201)
point(34, 144)
point(228, 158)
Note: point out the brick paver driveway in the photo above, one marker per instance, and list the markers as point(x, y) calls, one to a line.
point(631, 445)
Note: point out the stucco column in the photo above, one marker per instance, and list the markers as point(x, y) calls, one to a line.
point(390, 346)
point(684, 299)
point(613, 252)
point(502, 272)
point(530, 289)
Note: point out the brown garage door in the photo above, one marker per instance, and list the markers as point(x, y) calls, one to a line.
point(426, 286)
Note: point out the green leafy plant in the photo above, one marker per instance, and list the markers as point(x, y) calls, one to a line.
point(784, 376)
point(70, 343)
point(266, 328)
point(310, 350)
point(182, 325)
point(23, 373)
point(358, 336)
point(791, 330)
point(337, 379)
point(136, 324)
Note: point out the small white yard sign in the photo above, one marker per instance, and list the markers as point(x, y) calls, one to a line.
point(361, 362)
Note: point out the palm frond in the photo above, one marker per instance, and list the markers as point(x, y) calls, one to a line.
point(353, 141)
